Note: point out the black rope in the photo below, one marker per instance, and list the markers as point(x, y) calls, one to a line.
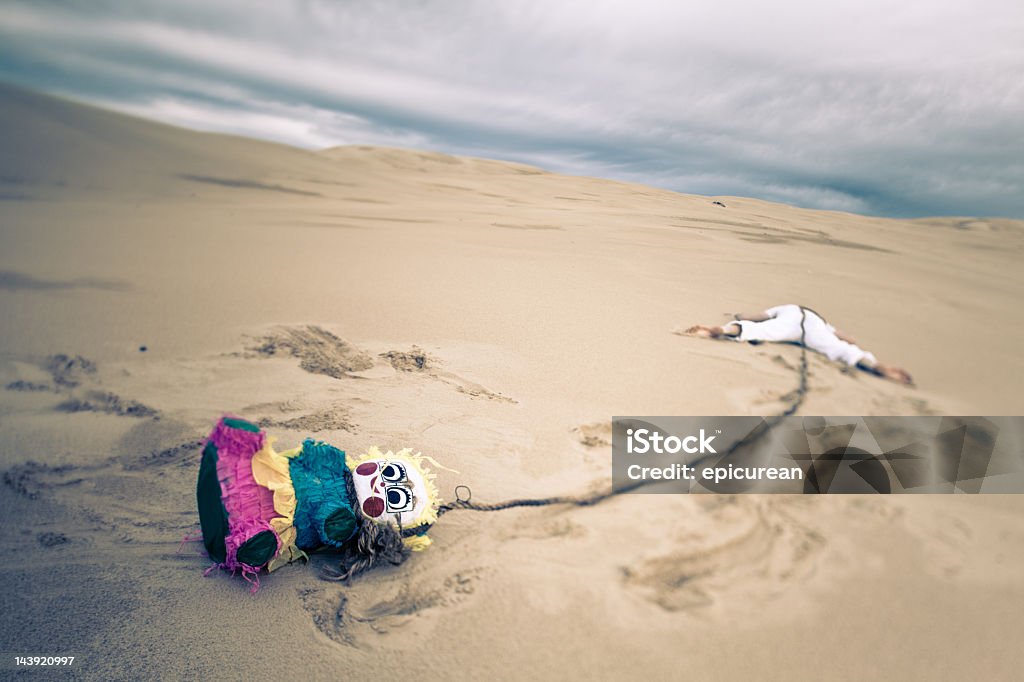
point(466, 503)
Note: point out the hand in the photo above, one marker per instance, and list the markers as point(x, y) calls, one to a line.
point(897, 374)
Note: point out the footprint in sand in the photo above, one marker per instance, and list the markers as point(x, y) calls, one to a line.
point(145, 496)
point(595, 435)
point(368, 609)
point(75, 378)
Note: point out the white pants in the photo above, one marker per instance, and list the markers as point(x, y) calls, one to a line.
point(818, 335)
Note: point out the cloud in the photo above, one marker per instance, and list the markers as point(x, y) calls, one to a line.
point(907, 109)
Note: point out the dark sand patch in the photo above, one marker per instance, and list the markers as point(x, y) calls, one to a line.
point(824, 240)
point(384, 219)
point(50, 539)
point(107, 403)
point(27, 386)
point(763, 234)
point(339, 183)
point(69, 371)
point(16, 196)
point(321, 224)
point(512, 226)
point(596, 435)
point(241, 183)
point(19, 281)
point(441, 185)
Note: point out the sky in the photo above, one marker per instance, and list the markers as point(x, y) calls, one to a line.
point(906, 108)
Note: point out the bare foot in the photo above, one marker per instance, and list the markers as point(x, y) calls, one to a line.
point(705, 332)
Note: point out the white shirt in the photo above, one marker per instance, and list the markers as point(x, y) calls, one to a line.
point(819, 335)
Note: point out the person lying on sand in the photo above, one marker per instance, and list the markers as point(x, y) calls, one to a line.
point(782, 324)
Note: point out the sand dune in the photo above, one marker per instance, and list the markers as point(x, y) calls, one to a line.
point(494, 316)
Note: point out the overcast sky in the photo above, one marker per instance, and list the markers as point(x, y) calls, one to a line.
point(886, 107)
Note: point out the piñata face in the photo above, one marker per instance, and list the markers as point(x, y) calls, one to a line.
point(393, 487)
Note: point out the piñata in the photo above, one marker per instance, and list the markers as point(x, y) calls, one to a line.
point(263, 509)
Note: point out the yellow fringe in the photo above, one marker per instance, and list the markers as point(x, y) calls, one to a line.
point(418, 543)
point(270, 469)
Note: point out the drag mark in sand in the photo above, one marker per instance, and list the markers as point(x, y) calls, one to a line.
point(322, 352)
point(318, 350)
point(473, 390)
point(331, 419)
point(390, 605)
point(185, 454)
point(416, 360)
point(757, 548)
point(32, 479)
point(329, 617)
point(145, 498)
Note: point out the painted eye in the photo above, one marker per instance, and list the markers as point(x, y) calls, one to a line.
point(399, 499)
point(393, 472)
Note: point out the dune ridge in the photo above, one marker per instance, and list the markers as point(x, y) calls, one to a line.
point(494, 316)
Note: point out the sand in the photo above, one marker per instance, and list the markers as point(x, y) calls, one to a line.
point(494, 316)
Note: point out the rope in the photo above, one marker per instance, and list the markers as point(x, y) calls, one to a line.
point(466, 503)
